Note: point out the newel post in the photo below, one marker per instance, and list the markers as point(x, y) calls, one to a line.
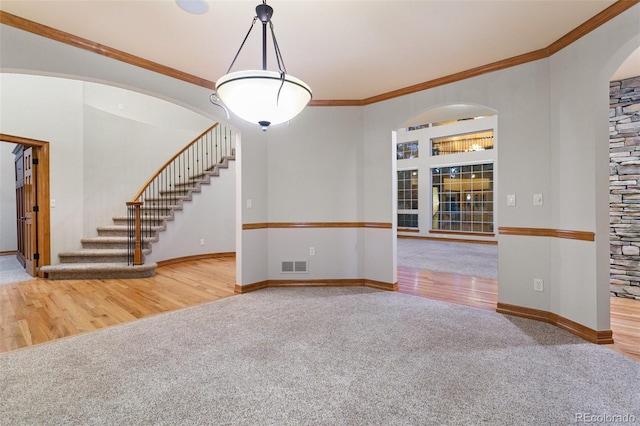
point(134, 226)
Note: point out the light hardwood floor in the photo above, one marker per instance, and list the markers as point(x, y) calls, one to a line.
point(38, 311)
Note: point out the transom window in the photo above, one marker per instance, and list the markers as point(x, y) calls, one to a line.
point(407, 150)
point(462, 143)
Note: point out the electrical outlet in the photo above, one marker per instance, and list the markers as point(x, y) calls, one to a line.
point(538, 284)
point(202, 242)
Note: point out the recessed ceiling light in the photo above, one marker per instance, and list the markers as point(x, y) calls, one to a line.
point(197, 7)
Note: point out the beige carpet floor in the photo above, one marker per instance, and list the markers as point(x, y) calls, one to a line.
point(320, 356)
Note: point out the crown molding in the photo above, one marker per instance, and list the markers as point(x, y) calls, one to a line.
point(601, 18)
point(82, 43)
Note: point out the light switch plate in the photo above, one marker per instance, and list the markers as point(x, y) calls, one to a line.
point(537, 199)
point(511, 199)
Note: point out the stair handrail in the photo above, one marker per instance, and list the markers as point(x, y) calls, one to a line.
point(201, 155)
point(165, 165)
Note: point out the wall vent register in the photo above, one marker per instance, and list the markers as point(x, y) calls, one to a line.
point(294, 267)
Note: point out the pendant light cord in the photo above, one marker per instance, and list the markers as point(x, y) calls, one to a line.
point(276, 47)
point(279, 60)
point(255, 18)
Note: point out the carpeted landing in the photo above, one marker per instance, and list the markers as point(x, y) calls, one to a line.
point(320, 356)
point(472, 259)
point(11, 271)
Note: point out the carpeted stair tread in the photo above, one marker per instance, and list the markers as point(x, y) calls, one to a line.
point(98, 270)
point(114, 242)
point(123, 230)
point(106, 239)
point(98, 266)
point(92, 252)
point(161, 207)
point(183, 188)
point(113, 227)
point(170, 197)
point(122, 220)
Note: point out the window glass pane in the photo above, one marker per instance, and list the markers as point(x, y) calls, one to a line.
point(463, 198)
point(462, 143)
point(407, 198)
point(407, 150)
point(407, 220)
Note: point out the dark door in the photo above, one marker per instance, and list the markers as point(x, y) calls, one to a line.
point(20, 217)
point(30, 213)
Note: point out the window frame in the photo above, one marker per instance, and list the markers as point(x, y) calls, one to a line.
point(414, 190)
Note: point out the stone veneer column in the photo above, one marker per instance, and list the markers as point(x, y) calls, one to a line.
point(624, 180)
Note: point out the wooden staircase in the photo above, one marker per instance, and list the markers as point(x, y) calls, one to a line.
point(107, 255)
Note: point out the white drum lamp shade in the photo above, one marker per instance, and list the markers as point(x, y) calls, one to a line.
point(263, 97)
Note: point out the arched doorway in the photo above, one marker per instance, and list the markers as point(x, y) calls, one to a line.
point(624, 155)
point(446, 174)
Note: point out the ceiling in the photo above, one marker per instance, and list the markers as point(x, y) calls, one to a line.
point(345, 50)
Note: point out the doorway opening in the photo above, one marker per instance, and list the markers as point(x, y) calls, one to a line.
point(624, 155)
point(445, 180)
point(32, 203)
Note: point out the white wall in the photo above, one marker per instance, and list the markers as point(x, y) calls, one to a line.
point(8, 225)
point(579, 127)
point(251, 187)
point(50, 109)
point(319, 146)
point(313, 177)
point(307, 171)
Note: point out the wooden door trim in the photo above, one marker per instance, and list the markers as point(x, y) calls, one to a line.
point(42, 172)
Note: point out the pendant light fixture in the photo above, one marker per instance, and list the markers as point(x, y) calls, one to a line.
point(262, 96)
